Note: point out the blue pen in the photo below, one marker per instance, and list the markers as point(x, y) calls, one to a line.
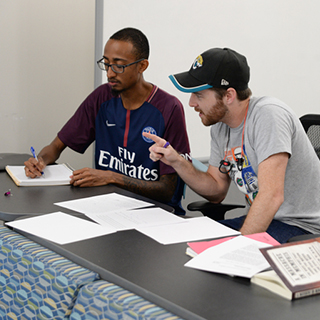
point(34, 155)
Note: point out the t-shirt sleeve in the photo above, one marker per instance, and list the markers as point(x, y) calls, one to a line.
point(272, 132)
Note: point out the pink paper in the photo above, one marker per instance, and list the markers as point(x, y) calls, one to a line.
point(198, 247)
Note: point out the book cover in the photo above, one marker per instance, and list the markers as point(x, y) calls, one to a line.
point(296, 268)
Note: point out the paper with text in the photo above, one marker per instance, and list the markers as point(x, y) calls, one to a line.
point(103, 203)
point(60, 227)
point(189, 230)
point(239, 256)
point(132, 219)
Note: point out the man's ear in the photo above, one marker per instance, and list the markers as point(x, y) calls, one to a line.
point(231, 95)
point(144, 64)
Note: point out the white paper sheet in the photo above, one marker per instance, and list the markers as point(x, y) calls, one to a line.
point(103, 203)
point(60, 227)
point(189, 230)
point(132, 219)
point(239, 256)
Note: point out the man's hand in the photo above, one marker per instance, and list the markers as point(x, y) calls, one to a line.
point(48, 155)
point(88, 177)
point(161, 190)
point(161, 150)
point(34, 168)
point(212, 185)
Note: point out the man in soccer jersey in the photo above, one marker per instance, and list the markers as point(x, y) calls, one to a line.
point(115, 115)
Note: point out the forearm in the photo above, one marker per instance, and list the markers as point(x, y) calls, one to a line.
point(48, 156)
point(203, 183)
point(212, 184)
point(271, 177)
point(161, 190)
point(52, 152)
point(261, 214)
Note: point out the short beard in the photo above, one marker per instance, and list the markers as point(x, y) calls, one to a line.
point(215, 115)
point(116, 92)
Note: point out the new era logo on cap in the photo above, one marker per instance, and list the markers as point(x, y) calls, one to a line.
point(224, 82)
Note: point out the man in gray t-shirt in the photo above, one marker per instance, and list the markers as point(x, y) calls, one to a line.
point(257, 142)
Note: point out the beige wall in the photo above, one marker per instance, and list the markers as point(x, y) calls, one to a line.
point(46, 70)
point(278, 37)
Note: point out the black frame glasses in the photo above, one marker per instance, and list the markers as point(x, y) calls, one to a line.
point(117, 68)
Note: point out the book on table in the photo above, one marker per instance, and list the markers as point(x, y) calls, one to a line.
point(53, 175)
point(296, 269)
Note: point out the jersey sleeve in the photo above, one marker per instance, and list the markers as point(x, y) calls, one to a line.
point(79, 132)
point(176, 133)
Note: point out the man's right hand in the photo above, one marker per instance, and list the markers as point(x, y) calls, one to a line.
point(34, 168)
point(162, 150)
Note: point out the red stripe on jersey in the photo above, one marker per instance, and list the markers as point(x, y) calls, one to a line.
point(126, 132)
point(153, 92)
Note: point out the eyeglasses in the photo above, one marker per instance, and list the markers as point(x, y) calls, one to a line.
point(117, 68)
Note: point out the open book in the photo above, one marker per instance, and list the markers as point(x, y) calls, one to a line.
point(296, 269)
point(53, 175)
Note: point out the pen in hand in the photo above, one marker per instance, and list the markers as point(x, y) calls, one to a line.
point(35, 156)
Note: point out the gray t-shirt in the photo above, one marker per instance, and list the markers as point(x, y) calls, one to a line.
point(271, 127)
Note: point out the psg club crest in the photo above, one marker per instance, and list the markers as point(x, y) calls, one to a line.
point(148, 130)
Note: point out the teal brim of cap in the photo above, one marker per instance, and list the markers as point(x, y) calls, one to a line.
point(188, 89)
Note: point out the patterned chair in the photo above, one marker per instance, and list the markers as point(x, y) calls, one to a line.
point(36, 283)
point(105, 300)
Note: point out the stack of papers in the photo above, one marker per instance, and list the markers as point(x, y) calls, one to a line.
point(114, 212)
point(195, 248)
point(239, 256)
point(235, 255)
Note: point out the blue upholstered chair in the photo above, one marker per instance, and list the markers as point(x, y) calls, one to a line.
point(36, 283)
point(105, 300)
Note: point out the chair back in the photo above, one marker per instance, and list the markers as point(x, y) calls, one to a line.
point(311, 124)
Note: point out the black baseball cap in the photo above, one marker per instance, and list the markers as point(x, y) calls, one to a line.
point(214, 68)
